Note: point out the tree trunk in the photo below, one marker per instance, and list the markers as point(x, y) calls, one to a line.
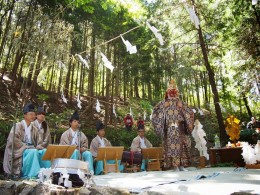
point(71, 82)
point(60, 81)
point(136, 89)
point(205, 86)
point(247, 106)
point(149, 87)
point(66, 90)
point(8, 24)
point(20, 52)
point(92, 67)
point(51, 79)
point(197, 89)
point(223, 135)
point(36, 72)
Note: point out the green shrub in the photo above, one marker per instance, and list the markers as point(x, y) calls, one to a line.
point(249, 135)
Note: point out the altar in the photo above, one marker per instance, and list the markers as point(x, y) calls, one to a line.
point(227, 155)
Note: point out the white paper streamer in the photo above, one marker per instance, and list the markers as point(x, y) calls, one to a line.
point(85, 63)
point(156, 33)
point(107, 63)
point(131, 113)
point(61, 64)
point(63, 97)
point(254, 2)
point(201, 112)
point(114, 110)
point(129, 47)
point(193, 17)
point(79, 102)
point(98, 109)
point(151, 115)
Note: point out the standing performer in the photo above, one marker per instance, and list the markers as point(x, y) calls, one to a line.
point(44, 133)
point(173, 120)
point(75, 137)
point(24, 159)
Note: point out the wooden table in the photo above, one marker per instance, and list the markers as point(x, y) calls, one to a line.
point(227, 155)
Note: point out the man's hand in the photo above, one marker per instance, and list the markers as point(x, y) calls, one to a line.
point(30, 147)
point(82, 150)
point(40, 147)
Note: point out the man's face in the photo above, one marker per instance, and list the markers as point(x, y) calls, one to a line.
point(101, 133)
point(141, 133)
point(41, 117)
point(29, 116)
point(74, 124)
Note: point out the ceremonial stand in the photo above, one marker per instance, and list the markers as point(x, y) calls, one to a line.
point(110, 153)
point(153, 156)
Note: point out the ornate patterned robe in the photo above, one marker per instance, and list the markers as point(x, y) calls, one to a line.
point(95, 144)
point(136, 144)
point(173, 121)
point(19, 147)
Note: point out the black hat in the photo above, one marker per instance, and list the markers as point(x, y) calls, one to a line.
point(99, 125)
point(74, 116)
point(140, 127)
point(40, 110)
point(28, 108)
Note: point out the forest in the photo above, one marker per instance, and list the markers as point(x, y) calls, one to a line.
point(121, 54)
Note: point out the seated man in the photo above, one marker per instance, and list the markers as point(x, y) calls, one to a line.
point(44, 133)
point(100, 141)
point(75, 137)
point(23, 137)
point(140, 142)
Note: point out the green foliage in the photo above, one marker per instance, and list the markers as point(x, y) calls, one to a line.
point(146, 105)
point(42, 97)
point(4, 132)
point(224, 165)
point(249, 135)
point(60, 118)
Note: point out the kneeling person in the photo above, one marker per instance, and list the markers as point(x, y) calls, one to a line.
point(44, 133)
point(100, 141)
point(25, 141)
point(140, 142)
point(75, 137)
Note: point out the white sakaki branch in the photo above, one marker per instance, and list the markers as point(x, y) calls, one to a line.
point(198, 134)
